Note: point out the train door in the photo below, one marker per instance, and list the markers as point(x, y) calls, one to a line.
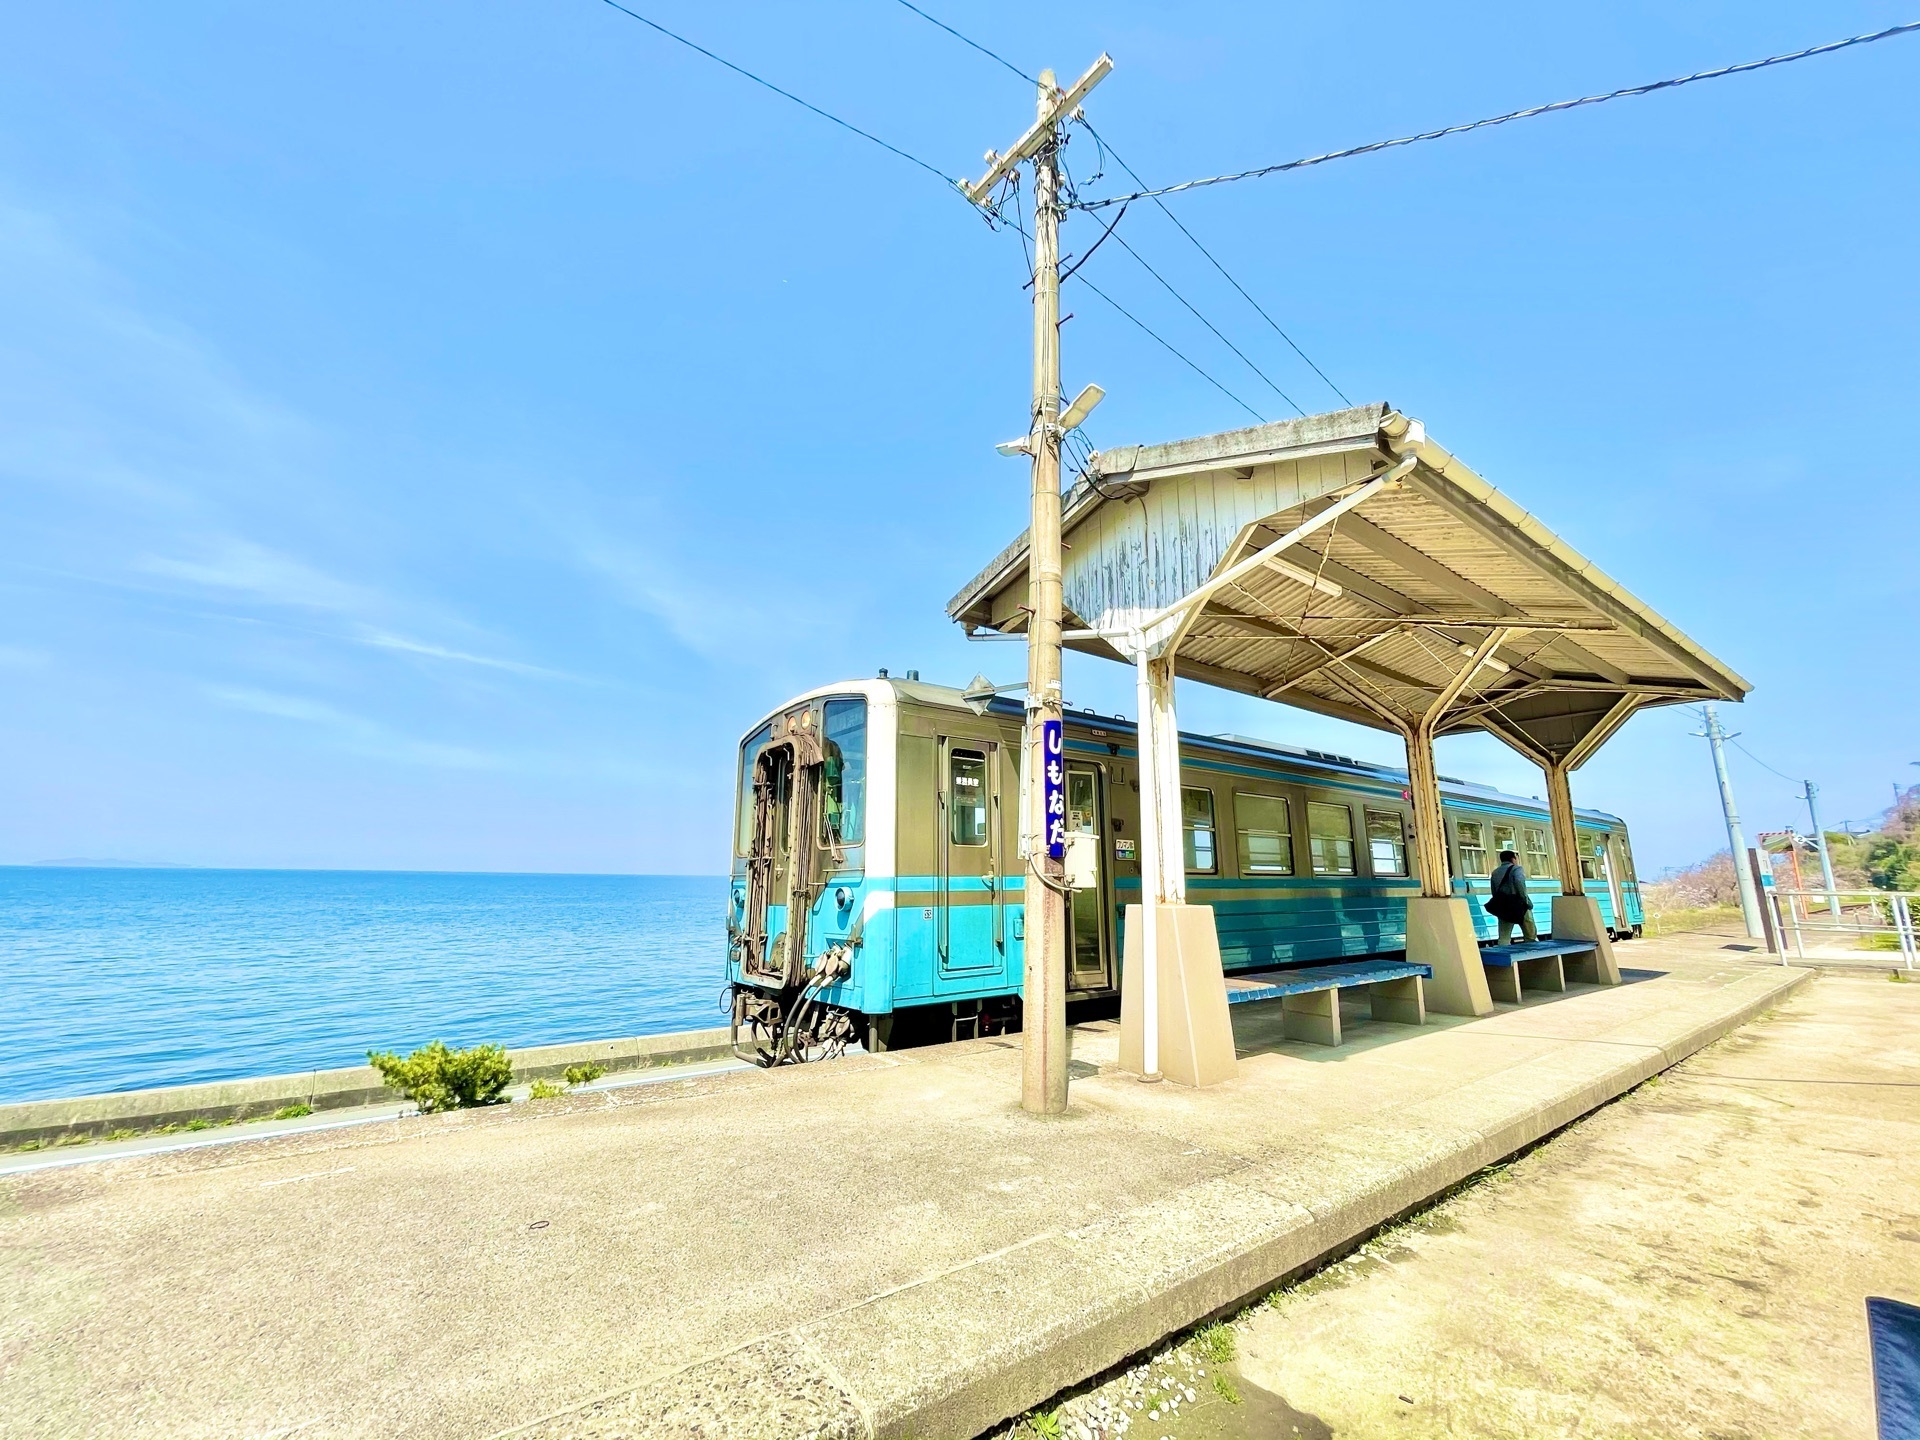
point(779, 880)
point(1090, 915)
point(1610, 868)
point(970, 916)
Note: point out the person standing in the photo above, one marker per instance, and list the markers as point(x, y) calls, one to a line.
point(1510, 904)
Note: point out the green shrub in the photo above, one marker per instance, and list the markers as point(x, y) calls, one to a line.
point(292, 1112)
point(584, 1074)
point(436, 1078)
point(546, 1090)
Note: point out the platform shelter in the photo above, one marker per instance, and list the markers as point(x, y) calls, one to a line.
point(1348, 564)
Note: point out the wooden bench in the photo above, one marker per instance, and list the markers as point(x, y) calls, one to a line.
point(1310, 996)
point(1530, 965)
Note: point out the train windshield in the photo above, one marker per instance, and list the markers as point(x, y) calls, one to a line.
point(743, 813)
point(843, 773)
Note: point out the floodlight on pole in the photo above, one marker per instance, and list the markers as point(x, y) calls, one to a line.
point(1082, 407)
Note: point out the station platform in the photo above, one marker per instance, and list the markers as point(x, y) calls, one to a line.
point(881, 1246)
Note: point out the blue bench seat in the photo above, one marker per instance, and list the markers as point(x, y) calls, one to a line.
point(1309, 996)
point(1532, 964)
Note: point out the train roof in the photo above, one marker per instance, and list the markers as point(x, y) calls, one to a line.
point(921, 692)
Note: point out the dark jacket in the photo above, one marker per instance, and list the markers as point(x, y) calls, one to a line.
point(1509, 900)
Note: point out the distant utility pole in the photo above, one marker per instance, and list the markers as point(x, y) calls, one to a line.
point(1043, 1086)
point(1736, 838)
point(1820, 840)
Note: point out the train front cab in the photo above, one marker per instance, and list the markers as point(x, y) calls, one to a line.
point(809, 914)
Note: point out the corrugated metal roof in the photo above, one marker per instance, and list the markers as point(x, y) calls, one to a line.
point(1376, 611)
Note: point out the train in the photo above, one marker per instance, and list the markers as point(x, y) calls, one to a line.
point(877, 881)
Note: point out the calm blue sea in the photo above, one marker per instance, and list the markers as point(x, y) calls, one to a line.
point(129, 979)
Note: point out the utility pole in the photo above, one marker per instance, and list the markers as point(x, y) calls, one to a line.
point(1736, 838)
point(1826, 861)
point(1043, 1086)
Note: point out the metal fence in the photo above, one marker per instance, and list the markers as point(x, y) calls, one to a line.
point(1803, 917)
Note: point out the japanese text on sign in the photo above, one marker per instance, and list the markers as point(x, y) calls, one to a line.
point(1053, 792)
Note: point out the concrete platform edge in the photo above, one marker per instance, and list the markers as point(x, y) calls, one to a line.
point(95, 1115)
point(1071, 1305)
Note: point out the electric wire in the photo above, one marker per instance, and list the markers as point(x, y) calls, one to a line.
point(1169, 347)
point(1206, 322)
point(1527, 114)
point(1072, 199)
point(1000, 60)
point(1152, 334)
point(1794, 779)
point(1106, 147)
point(787, 94)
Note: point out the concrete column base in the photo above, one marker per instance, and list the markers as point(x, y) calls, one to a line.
point(1577, 917)
point(1440, 936)
point(1196, 1036)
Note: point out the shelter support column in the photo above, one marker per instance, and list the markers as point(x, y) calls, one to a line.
point(1576, 914)
point(1439, 924)
point(1173, 996)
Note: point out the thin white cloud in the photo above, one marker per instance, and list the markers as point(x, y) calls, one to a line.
point(360, 734)
point(244, 568)
point(384, 640)
point(239, 568)
point(708, 618)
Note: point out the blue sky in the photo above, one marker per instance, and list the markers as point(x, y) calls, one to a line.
point(431, 434)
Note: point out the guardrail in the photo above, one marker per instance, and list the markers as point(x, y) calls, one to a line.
point(1802, 913)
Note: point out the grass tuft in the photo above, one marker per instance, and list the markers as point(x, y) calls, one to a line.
point(546, 1090)
point(293, 1112)
point(1215, 1343)
point(584, 1074)
point(1225, 1389)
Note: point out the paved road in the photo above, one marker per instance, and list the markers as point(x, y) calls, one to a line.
point(1690, 1261)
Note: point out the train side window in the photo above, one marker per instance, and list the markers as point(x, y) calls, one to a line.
point(1266, 834)
point(1534, 854)
point(1196, 826)
point(1387, 841)
point(967, 797)
point(1591, 848)
point(1503, 839)
point(1330, 838)
point(843, 773)
point(1626, 861)
point(1470, 839)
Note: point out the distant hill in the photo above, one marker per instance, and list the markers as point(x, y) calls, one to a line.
point(84, 864)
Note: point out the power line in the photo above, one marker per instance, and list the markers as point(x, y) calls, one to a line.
point(1120, 159)
point(1795, 779)
point(1021, 231)
point(1007, 64)
point(1000, 60)
point(1527, 114)
point(1168, 345)
point(1206, 322)
point(787, 94)
point(1101, 140)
